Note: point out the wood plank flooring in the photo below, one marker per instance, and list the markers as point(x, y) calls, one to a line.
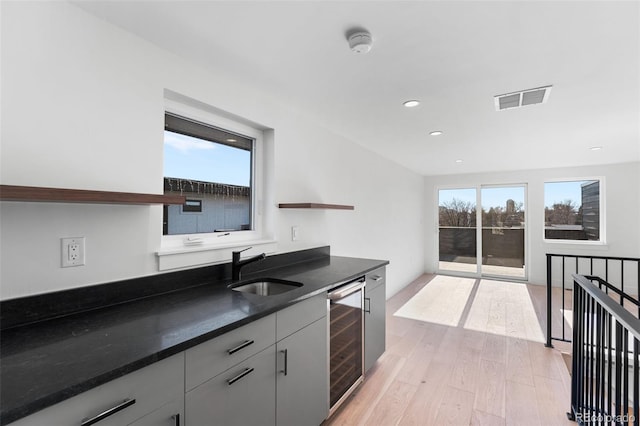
point(489, 368)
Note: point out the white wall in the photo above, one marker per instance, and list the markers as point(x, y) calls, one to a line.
point(622, 203)
point(82, 107)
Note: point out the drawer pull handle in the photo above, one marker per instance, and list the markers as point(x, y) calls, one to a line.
point(239, 376)
point(176, 419)
point(286, 361)
point(111, 411)
point(376, 278)
point(240, 346)
point(344, 291)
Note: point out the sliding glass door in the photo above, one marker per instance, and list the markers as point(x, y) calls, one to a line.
point(457, 239)
point(503, 231)
point(486, 241)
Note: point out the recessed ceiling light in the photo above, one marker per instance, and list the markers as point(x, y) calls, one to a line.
point(436, 133)
point(412, 103)
point(458, 161)
point(595, 148)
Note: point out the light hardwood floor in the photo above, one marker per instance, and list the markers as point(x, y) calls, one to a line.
point(483, 364)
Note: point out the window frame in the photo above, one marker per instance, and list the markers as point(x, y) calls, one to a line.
point(249, 140)
point(259, 234)
point(602, 213)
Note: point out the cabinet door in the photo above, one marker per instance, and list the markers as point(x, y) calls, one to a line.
point(243, 395)
point(144, 391)
point(170, 414)
point(374, 325)
point(302, 392)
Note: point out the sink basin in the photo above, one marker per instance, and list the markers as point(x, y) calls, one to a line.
point(265, 286)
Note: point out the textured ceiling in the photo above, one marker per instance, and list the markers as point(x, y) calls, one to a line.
point(454, 56)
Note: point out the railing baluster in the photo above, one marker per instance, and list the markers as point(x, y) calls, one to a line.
point(606, 366)
point(621, 282)
point(598, 383)
point(636, 388)
point(563, 290)
point(610, 365)
point(582, 350)
point(588, 346)
point(549, 302)
point(625, 373)
point(618, 364)
point(577, 266)
point(592, 333)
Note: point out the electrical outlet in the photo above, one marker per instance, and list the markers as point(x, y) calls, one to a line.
point(72, 251)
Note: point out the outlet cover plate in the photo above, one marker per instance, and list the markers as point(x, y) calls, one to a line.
point(72, 251)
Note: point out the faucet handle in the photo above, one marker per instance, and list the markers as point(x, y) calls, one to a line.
point(237, 252)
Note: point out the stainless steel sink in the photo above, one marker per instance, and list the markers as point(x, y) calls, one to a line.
point(265, 286)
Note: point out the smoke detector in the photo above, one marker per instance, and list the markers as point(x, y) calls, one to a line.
point(360, 41)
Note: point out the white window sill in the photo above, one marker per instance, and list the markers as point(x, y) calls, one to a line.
point(577, 245)
point(199, 255)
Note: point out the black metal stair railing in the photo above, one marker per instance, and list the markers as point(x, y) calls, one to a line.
point(620, 275)
point(605, 358)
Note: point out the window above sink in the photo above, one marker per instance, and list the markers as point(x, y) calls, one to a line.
point(220, 163)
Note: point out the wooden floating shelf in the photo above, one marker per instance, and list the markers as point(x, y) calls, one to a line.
point(58, 195)
point(314, 206)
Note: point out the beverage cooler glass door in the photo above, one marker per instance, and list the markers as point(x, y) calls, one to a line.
point(346, 333)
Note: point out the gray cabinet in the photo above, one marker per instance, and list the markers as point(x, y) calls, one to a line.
point(284, 384)
point(211, 358)
point(243, 395)
point(302, 381)
point(158, 392)
point(170, 414)
point(230, 380)
point(374, 317)
point(302, 378)
point(271, 371)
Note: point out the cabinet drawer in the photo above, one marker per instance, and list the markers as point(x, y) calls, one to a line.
point(244, 395)
point(151, 387)
point(223, 352)
point(170, 414)
point(376, 278)
point(295, 317)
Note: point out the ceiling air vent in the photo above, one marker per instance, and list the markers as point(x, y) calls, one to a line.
point(522, 98)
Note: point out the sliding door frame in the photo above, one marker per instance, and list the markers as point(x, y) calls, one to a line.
point(478, 273)
point(525, 237)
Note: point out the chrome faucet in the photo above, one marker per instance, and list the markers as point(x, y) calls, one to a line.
point(237, 264)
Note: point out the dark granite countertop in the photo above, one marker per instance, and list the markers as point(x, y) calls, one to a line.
point(49, 361)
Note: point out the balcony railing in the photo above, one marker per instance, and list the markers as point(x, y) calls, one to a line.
point(605, 357)
point(500, 245)
point(619, 278)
